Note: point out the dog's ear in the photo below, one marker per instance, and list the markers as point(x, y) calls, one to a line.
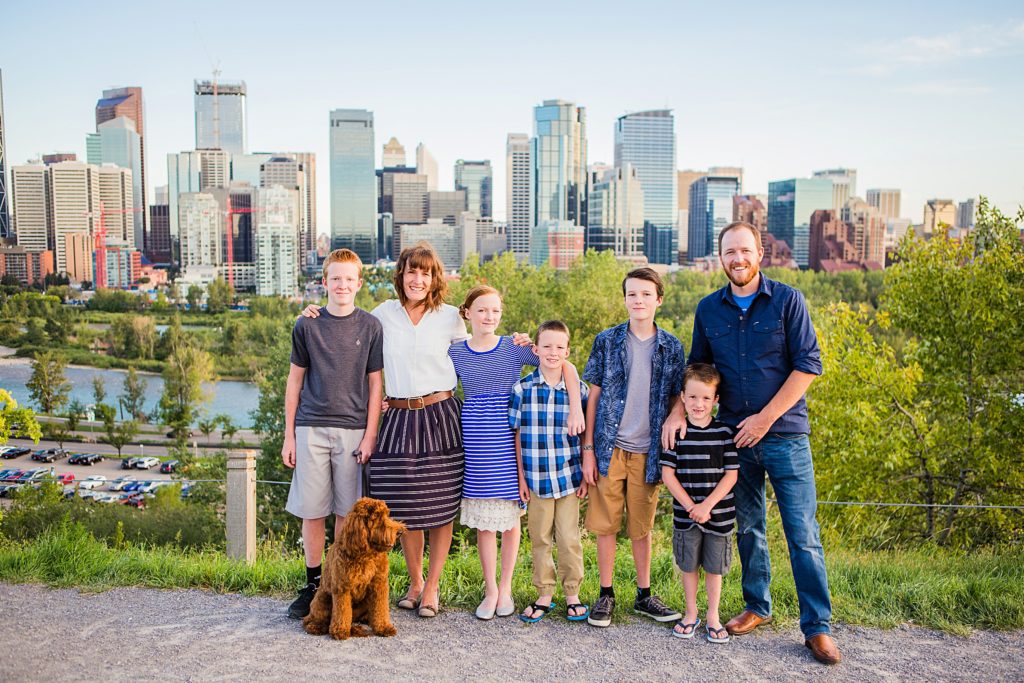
point(355, 536)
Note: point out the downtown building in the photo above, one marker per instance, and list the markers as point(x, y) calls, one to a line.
point(615, 212)
point(476, 179)
point(116, 143)
point(711, 210)
point(647, 141)
point(939, 217)
point(790, 205)
point(277, 241)
point(117, 146)
point(6, 224)
point(886, 200)
point(558, 170)
point(844, 185)
point(518, 212)
point(353, 183)
point(220, 116)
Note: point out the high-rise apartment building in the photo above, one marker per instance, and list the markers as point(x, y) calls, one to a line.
point(353, 183)
point(477, 179)
point(6, 225)
point(394, 155)
point(939, 215)
point(289, 172)
point(116, 195)
point(866, 231)
point(453, 243)
point(844, 185)
point(518, 213)
point(220, 116)
point(158, 244)
point(77, 248)
point(116, 142)
point(751, 208)
point(558, 243)
point(199, 229)
point(615, 212)
point(74, 200)
point(277, 227)
point(426, 165)
point(647, 140)
point(887, 201)
point(711, 198)
point(965, 214)
point(790, 205)
point(559, 163)
point(30, 201)
point(128, 103)
point(683, 181)
point(446, 206)
point(25, 266)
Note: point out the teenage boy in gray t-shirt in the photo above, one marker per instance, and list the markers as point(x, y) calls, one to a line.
point(331, 409)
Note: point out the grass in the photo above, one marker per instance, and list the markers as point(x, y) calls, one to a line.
point(925, 587)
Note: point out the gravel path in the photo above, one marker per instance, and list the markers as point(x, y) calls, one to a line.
point(143, 634)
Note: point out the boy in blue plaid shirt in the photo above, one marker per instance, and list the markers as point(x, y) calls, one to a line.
point(550, 474)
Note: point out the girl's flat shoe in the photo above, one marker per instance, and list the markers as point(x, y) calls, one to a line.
point(485, 614)
point(506, 609)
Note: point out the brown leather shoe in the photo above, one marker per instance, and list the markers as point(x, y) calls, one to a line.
point(824, 649)
point(745, 622)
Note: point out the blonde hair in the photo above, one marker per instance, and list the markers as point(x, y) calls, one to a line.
point(342, 256)
point(422, 256)
point(473, 295)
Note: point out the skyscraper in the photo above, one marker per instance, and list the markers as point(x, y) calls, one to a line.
point(426, 165)
point(127, 102)
point(647, 140)
point(288, 172)
point(887, 201)
point(199, 229)
point(116, 142)
point(844, 185)
point(74, 200)
point(615, 213)
point(965, 213)
point(866, 230)
point(5, 217)
point(711, 199)
point(517, 194)
point(790, 205)
point(116, 194)
point(394, 155)
point(938, 213)
point(277, 222)
point(220, 116)
point(476, 178)
point(353, 183)
point(559, 163)
point(30, 199)
point(446, 206)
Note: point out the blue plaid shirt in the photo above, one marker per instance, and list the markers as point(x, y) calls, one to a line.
point(552, 462)
point(607, 368)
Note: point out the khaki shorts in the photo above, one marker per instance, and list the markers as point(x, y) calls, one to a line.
point(327, 476)
point(624, 489)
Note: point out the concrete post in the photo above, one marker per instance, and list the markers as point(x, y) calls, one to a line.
point(241, 505)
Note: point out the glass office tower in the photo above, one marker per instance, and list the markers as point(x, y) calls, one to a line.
point(6, 227)
point(353, 183)
point(790, 205)
point(220, 117)
point(477, 179)
point(710, 211)
point(647, 140)
point(558, 173)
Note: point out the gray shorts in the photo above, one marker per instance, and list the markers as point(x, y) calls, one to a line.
point(693, 548)
point(327, 477)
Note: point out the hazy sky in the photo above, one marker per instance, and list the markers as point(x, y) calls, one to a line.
point(924, 96)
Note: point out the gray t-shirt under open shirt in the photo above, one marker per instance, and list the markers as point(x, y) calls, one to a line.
point(635, 427)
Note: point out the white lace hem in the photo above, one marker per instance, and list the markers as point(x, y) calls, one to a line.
point(490, 514)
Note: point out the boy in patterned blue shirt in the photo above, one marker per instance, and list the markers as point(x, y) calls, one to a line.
point(550, 474)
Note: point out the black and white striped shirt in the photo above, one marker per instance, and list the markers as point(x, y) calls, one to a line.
point(700, 461)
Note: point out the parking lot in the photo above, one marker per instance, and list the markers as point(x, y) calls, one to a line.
point(108, 467)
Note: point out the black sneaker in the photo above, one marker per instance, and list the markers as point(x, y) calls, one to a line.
point(300, 608)
point(601, 612)
point(654, 608)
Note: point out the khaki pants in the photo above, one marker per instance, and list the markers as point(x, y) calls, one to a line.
point(625, 488)
point(558, 517)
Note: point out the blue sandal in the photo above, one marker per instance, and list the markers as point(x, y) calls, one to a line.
point(578, 617)
point(534, 607)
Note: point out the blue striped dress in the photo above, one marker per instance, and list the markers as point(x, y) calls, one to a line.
point(487, 379)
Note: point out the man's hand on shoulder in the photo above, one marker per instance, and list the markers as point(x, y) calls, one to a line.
point(311, 311)
point(673, 428)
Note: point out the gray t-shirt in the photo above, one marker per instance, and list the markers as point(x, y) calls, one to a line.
point(338, 353)
point(634, 433)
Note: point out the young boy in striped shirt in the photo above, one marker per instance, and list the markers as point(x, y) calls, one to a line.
point(700, 472)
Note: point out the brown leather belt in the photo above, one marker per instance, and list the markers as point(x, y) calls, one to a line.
point(419, 402)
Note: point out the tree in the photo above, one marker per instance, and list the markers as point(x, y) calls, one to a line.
point(35, 332)
point(194, 296)
point(228, 429)
point(188, 367)
point(121, 434)
point(74, 414)
point(207, 427)
point(133, 336)
point(47, 385)
point(15, 421)
point(133, 395)
point(219, 296)
point(106, 414)
point(56, 431)
point(99, 390)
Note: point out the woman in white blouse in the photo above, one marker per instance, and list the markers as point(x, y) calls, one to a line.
point(418, 466)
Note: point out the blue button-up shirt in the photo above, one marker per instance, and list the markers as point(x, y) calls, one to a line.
point(756, 351)
point(607, 368)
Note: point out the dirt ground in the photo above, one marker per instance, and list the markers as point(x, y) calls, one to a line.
point(145, 634)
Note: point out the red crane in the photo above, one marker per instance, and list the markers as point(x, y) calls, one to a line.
point(229, 235)
point(99, 243)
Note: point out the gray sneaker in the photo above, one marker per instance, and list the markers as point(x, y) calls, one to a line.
point(654, 608)
point(601, 612)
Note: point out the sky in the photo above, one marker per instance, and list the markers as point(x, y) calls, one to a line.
point(922, 96)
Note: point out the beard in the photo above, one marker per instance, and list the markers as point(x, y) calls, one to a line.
point(742, 281)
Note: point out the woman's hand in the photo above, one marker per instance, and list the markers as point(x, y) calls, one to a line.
point(521, 339)
point(311, 311)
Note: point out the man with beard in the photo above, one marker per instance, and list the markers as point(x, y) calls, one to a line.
point(758, 334)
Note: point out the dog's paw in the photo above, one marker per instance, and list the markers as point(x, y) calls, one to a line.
point(387, 631)
point(315, 628)
point(340, 634)
point(358, 631)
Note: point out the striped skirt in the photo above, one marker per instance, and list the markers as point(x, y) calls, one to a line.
point(418, 467)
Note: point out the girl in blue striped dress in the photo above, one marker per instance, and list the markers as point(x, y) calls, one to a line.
point(488, 365)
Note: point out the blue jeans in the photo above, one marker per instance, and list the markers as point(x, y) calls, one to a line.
point(786, 459)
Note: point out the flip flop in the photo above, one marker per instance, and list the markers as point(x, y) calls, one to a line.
point(688, 629)
point(578, 617)
point(713, 636)
point(534, 607)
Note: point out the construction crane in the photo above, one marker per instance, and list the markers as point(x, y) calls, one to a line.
point(99, 242)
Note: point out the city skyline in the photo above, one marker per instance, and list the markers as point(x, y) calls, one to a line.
point(942, 88)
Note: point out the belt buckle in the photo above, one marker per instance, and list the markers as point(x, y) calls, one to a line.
point(421, 406)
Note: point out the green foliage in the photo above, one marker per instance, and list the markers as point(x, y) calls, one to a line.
point(268, 422)
point(116, 300)
point(47, 386)
point(74, 414)
point(133, 395)
point(219, 296)
point(194, 296)
point(188, 367)
point(121, 434)
point(99, 390)
point(133, 336)
point(15, 421)
point(24, 305)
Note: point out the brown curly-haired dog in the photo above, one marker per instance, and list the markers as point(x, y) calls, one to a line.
point(355, 579)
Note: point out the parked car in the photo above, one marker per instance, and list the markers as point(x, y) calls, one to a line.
point(119, 483)
point(11, 452)
point(100, 497)
point(12, 472)
point(33, 475)
point(64, 478)
point(4, 450)
point(132, 487)
point(169, 467)
point(93, 481)
point(49, 454)
point(8, 489)
point(146, 463)
point(129, 463)
point(135, 500)
point(76, 458)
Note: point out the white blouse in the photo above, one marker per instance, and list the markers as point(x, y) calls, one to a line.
point(416, 361)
